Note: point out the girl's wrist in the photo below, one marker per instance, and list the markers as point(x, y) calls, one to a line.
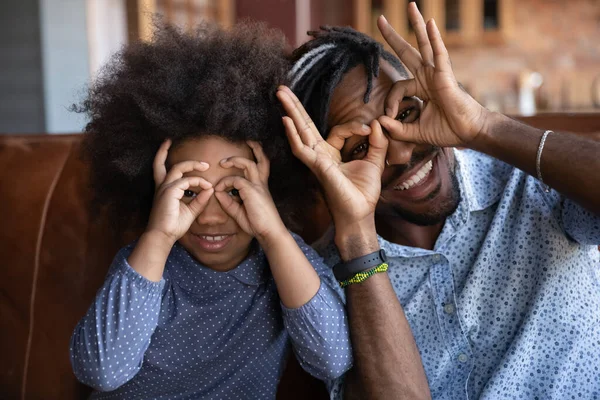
point(158, 238)
point(274, 237)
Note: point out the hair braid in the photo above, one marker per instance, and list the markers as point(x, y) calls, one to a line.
point(321, 63)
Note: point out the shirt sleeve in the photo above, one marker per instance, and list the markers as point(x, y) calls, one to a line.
point(108, 344)
point(319, 328)
point(580, 224)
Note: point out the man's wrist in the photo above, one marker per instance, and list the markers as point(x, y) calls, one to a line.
point(494, 124)
point(356, 239)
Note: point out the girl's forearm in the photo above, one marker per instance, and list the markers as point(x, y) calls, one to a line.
point(296, 279)
point(149, 256)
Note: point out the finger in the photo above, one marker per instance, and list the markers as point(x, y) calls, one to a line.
point(418, 24)
point(262, 162)
point(178, 187)
point(407, 54)
point(236, 182)
point(229, 205)
point(440, 53)
point(295, 110)
point(302, 152)
point(199, 203)
point(339, 133)
point(396, 95)
point(159, 168)
point(396, 130)
point(378, 145)
point(179, 169)
point(248, 166)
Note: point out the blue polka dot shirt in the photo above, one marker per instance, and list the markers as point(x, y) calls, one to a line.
point(203, 334)
point(507, 304)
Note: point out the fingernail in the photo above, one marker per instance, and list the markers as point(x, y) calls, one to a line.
point(366, 128)
point(384, 19)
point(223, 161)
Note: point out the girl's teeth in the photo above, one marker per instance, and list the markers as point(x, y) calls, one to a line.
point(213, 238)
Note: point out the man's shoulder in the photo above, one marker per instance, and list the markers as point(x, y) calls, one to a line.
point(483, 178)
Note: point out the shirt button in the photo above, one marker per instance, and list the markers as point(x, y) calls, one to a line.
point(449, 308)
point(462, 358)
point(436, 258)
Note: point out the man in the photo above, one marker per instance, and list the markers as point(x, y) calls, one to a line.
point(498, 274)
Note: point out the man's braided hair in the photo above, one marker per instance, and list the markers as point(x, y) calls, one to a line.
point(320, 64)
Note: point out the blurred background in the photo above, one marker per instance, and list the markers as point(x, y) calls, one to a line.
point(520, 57)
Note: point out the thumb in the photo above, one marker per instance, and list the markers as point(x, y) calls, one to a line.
point(378, 145)
point(400, 90)
point(199, 203)
point(408, 132)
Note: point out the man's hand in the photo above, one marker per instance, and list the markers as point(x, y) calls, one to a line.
point(352, 189)
point(450, 117)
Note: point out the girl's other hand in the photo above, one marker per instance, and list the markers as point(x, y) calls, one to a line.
point(247, 199)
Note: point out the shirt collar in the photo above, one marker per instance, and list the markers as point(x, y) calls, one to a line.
point(197, 278)
point(481, 178)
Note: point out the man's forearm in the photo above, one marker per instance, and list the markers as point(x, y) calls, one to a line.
point(387, 364)
point(569, 163)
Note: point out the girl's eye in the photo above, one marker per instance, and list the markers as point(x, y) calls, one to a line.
point(359, 150)
point(189, 193)
point(234, 192)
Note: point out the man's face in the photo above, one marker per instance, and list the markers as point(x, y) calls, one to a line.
point(419, 184)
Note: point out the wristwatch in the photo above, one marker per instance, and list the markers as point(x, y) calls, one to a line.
point(346, 270)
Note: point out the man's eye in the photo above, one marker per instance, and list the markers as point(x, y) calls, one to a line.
point(189, 193)
point(408, 115)
point(234, 192)
point(360, 149)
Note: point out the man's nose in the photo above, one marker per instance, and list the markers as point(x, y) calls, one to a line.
point(213, 214)
point(399, 153)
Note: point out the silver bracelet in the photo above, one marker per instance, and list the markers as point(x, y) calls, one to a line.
point(538, 159)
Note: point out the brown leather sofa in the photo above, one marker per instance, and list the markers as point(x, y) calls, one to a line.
point(54, 254)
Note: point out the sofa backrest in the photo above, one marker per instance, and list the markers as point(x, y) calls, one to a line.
point(55, 252)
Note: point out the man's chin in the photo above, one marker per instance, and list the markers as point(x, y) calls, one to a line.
point(440, 206)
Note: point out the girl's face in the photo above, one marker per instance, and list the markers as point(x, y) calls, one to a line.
point(214, 238)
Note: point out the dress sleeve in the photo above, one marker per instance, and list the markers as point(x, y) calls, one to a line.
point(319, 328)
point(108, 345)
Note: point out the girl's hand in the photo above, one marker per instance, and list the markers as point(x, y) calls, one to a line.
point(175, 205)
point(247, 199)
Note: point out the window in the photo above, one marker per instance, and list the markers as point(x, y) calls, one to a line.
point(490, 15)
point(452, 15)
point(183, 13)
point(461, 22)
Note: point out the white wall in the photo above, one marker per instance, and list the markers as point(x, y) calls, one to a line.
point(65, 62)
point(107, 31)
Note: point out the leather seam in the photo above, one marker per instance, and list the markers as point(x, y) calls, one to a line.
point(38, 248)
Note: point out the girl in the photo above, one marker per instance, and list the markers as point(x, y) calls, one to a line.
point(206, 303)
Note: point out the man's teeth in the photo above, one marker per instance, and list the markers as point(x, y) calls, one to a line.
point(416, 177)
point(213, 238)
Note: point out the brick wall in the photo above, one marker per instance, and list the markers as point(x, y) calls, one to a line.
point(558, 39)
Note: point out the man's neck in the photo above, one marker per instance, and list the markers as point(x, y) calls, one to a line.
point(399, 231)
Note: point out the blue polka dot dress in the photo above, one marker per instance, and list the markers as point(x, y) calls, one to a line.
point(507, 304)
point(203, 334)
